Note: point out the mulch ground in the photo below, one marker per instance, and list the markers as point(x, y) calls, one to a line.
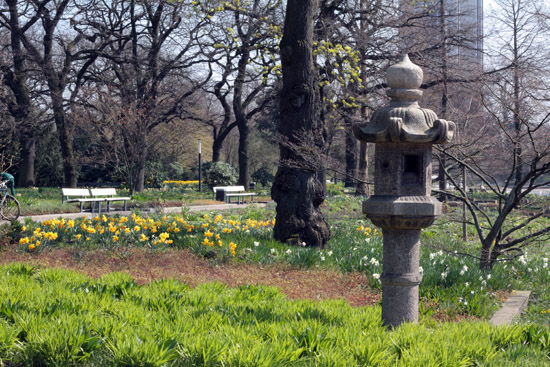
point(145, 266)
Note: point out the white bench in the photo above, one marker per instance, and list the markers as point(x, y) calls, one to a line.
point(233, 192)
point(71, 195)
point(108, 195)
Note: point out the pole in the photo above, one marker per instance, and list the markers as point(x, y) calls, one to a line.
point(464, 232)
point(200, 167)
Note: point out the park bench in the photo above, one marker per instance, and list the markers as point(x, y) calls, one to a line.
point(71, 195)
point(225, 193)
point(108, 195)
point(116, 185)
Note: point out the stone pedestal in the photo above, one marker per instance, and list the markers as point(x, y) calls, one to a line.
point(400, 276)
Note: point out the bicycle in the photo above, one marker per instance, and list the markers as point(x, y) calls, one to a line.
point(9, 206)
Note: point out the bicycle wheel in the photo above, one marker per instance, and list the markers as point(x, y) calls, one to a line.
point(10, 208)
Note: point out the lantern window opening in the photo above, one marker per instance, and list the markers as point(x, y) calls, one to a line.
point(412, 169)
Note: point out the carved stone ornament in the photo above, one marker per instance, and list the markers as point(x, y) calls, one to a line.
point(403, 120)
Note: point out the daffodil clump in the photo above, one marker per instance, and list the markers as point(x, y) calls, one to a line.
point(37, 238)
point(215, 228)
point(368, 231)
point(179, 182)
point(145, 231)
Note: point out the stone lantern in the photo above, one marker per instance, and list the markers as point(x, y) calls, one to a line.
point(403, 134)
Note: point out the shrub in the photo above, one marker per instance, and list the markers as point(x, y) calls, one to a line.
point(219, 174)
point(177, 171)
point(263, 176)
point(155, 175)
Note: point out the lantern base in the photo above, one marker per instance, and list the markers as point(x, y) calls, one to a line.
point(401, 212)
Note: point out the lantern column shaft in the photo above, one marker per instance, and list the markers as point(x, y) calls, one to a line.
point(400, 277)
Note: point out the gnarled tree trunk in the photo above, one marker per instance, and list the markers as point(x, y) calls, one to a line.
point(296, 189)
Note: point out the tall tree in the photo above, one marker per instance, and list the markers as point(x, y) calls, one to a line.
point(445, 38)
point(151, 62)
point(353, 47)
point(15, 76)
point(521, 49)
point(63, 54)
point(298, 191)
point(514, 129)
point(244, 36)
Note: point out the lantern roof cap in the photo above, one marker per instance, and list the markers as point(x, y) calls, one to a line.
point(404, 74)
point(403, 120)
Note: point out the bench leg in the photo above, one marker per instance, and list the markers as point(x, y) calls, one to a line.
point(81, 206)
point(108, 205)
point(93, 204)
point(124, 205)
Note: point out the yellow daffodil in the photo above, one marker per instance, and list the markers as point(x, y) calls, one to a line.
point(163, 237)
point(232, 248)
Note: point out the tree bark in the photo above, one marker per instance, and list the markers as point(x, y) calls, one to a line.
point(216, 150)
point(362, 187)
point(140, 178)
point(298, 191)
point(243, 154)
point(137, 148)
point(240, 117)
point(517, 111)
point(489, 256)
point(15, 77)
point(351, 157)
point(28, 157)
point(66, 136)
point(442, 178)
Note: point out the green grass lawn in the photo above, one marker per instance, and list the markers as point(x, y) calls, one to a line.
point(167, 321)
point(51, 317)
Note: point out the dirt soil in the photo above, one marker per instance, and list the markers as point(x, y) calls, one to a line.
point(145, 266)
